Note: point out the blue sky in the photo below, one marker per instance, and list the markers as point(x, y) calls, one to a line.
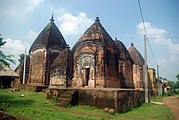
point(23, 20)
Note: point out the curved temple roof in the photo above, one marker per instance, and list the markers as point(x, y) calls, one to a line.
point(124, 54)
point(49, 37)
point(135, 55)
point(95, 32)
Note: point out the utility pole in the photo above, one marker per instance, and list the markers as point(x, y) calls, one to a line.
point(23, 81)
point(146, 71)
point(158, 80)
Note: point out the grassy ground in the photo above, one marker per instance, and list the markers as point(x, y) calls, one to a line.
point(35, 106)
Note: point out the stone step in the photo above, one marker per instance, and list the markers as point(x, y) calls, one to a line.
point(65, 99)
point(65, 96)
point(63, 103)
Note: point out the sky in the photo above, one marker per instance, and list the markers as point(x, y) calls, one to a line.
point(22, 20)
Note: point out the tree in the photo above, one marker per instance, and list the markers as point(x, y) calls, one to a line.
point(21, 59)
point(5, 60)
point(172, 85)
point(177, 76)
point(177, 84)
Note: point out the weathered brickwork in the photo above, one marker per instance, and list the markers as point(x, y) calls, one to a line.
point(90, 73)
point(37, 64)
point(121, 100)
point(138, 67)
point(47, 46)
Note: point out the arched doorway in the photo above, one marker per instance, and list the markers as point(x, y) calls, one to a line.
point(86, 76)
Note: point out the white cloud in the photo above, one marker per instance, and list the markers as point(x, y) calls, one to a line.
point(18, 8)
point(74, 25)
point(168, 57)
point(30, 38)
point(15, 48)
point(31, 35)
point(174, 51)
point(32, 4)
point(15, 45)
point(159, 38)
point(152, 32)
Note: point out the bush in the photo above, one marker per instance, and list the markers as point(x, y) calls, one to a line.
point(4, 106)
point(54, 98)
point(177, 91)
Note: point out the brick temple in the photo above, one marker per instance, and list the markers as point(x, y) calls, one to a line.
point(97, 71)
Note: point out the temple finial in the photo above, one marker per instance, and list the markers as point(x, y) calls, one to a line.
point(115, 38)
point(97, 19)
point(132, 44)
point(52, 18)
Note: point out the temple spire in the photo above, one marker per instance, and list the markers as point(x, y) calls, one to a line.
point(132, 44)
point(97, 19)
point(52, 18)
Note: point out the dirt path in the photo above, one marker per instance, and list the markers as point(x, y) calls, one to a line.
point(173, 103)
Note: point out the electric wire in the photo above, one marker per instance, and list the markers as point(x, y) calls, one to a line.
point(140, 8)
point(142, 17)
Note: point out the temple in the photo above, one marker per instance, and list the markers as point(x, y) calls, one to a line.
point(95, 61)
point(97, 68)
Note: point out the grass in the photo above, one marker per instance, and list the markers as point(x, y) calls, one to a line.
point(35, 106)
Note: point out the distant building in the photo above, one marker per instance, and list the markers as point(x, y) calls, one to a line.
point(166, 87)
point(7, 77)
point(153, 81)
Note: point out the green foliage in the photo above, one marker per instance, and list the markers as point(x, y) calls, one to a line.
point(5, 60)
point(21, 58)
point(157, 98)
point(177, 76)
point(4, 106)
point(54, 99)
point(1, 41)
point(177, 84)
point(177, 91)
point(35, 106)
point(172, 85)
point(164, 93)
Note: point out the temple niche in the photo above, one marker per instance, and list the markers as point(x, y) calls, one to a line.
point(138, 67)
point(95, 61)
point(47, 46)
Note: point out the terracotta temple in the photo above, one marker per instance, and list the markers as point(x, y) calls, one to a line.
point(97, 68)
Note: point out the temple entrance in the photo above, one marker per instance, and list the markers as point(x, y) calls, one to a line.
point(86, 77)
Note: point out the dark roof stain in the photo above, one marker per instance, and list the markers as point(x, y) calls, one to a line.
point(136, 56)
point(49, 37)
point(124, 54)
point(95, 32)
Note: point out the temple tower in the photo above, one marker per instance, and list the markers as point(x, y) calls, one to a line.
point(95, 59)
point(46, 47)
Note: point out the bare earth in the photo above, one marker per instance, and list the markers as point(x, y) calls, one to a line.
point(173, 103)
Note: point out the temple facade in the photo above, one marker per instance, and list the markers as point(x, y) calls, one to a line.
point(80, 76)
point(95, 61)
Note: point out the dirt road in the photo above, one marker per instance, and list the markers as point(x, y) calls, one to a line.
point(173, 103)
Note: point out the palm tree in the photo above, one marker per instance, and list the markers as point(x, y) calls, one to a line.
point(5, 60)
